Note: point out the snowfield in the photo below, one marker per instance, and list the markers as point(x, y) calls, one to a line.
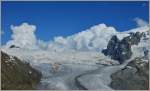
point(78, 57)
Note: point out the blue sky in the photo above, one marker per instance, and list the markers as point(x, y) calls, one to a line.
point(66, 18)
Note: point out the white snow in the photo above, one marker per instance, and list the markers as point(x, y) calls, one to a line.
point(139, 29)
point(93, 82)
point(138, 50)
point(35, 56)
point(129, 67)
point(121, 35)
point(30, 72)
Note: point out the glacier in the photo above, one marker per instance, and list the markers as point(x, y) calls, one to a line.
point(77, 55)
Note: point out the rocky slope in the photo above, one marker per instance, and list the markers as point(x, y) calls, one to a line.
point(16, 75)
point(134, 76)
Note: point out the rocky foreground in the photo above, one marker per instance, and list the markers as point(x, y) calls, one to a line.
point(16, 75)
point(134, 76)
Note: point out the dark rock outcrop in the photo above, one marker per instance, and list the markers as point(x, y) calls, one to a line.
point(17, 75)
point(146, 53)
point(134, 38)
point(13, 46)
point(135, 76)
point(121, 49)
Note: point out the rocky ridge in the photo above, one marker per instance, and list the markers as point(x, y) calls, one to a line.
point(121, 49)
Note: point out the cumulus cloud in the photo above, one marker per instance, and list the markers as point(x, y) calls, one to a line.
point(140, 22)
point(23, 36)
point(42, 44)
point(93, 39)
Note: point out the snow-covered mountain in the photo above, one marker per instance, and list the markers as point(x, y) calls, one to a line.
point(74, 55)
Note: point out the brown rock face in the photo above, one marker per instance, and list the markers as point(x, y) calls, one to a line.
point(17, 75)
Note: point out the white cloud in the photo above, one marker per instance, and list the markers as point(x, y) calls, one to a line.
point(42, 44)
point(23, 36)
point(140, 22)
point(93, 39)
